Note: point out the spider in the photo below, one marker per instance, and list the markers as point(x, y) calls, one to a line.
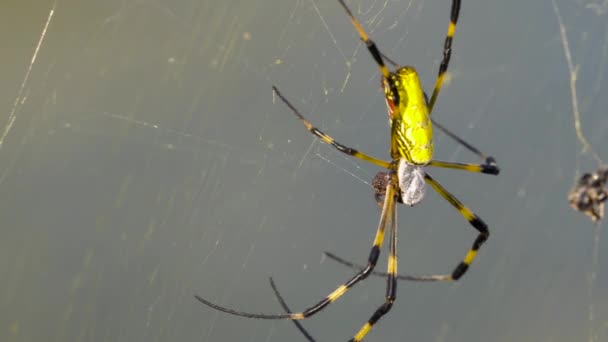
point(404, 182)
point(590, 193)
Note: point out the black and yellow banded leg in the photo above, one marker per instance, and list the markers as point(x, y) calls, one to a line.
point(373, 50)
point(447, 53)
point(490, 169)
point(288, 310)
point(400, 276)
point(391, 281)
point(462, 267)
point(489, 160)
point(371, 46)
point(389, 205)
point(328, 139)
point(474, 220)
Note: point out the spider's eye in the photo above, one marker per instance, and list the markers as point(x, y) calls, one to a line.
point(390, 89)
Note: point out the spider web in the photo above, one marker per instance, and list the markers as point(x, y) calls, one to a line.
point(143, 159)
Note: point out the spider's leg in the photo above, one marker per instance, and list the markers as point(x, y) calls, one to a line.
point(447, 53)
point(391, 281)
point(489, 160)
point(371, 46)
point(288, 310)
point(329, 140)
point(490, 169)
point(474, 220)
point(389, 206)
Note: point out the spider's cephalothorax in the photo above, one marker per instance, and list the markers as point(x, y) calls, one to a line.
point(409, 119)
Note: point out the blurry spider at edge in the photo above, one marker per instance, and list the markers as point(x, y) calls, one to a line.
point(589, 194)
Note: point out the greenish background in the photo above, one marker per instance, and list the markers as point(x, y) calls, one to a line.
point(148, 162)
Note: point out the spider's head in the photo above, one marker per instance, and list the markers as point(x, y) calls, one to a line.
point(401, 89)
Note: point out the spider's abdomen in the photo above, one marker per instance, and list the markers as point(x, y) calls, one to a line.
point(411, 182)
point(409, 118)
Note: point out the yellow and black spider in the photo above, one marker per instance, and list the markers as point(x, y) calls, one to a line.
point(411, 151)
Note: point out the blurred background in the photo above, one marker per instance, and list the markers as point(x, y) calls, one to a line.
point(144, 159)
